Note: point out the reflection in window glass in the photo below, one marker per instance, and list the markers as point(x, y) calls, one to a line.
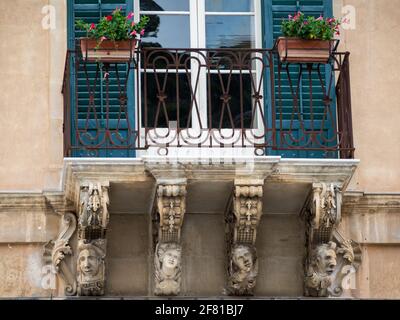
point(164, 5)
point(229, 6)
point(161, 31)
point(230, 32)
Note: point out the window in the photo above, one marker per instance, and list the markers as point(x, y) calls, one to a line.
point(193, 24)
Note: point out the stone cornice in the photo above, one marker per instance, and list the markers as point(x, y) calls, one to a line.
point(371, 218)
point(359, 202)
point(16, 201)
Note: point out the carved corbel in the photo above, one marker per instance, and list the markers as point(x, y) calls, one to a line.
point(331, 260)
point(171, 207)
point(93, 211)
point(242, 224)
point(92, 224)
point(247, 208)
point(324, 212)
point(56, 253)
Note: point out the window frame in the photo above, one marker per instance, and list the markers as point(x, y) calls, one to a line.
point(197, 17)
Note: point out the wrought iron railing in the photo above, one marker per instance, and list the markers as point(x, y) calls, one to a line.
point(229, 98)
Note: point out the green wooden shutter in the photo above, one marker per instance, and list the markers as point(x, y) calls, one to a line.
point(274, 12)
point(91, 11)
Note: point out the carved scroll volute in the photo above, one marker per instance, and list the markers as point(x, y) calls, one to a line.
point(56, 253)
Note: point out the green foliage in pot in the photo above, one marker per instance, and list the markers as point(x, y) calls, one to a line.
point(300, 26)
point(115, 27)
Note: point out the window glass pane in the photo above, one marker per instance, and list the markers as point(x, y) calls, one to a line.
point(230, 32)
point(170, 31)
point(164, 5)
point(229, 5)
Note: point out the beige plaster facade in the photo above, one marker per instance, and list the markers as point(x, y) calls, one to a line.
point(36, 186)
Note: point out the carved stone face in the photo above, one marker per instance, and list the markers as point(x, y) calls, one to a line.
point(325, 259)
point(89, 263)
point(243, 258)
point(171, 259)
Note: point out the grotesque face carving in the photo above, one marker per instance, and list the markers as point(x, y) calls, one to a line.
point(325, 258)
point(243, 270)
point(89, 262)
point(243, 258)
point(168, 269)
point(171, 259)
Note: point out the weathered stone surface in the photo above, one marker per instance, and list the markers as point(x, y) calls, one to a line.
point(204, 247)
point(26, 218)
point(128, 261)
point(21, 269)
point(280, 250)
point(371, 218)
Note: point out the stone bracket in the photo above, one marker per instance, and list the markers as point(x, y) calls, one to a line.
point(171, 208)
point(331, 259)
point(93, 211)
point(242, 222)
point(92, 227)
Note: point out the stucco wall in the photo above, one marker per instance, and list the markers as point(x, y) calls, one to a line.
point(31, 64)
point(375, 78)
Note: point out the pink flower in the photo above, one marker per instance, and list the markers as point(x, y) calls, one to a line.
point(337, 33)
point(305, 22)
point(142, 32)
point(133, 23)
point(133, 33)
point(92, 26)
point(330, 20)
point(345, 20)
point(320, 18)
point(109, 18)
point(103, 38)
point(290, 17)
point(129, 16)
point(106, 75)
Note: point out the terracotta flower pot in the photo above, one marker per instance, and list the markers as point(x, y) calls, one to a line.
point(302, 50)
point(107, 50)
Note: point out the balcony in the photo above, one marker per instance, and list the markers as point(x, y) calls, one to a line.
point(207, 98)
point(200, 99)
